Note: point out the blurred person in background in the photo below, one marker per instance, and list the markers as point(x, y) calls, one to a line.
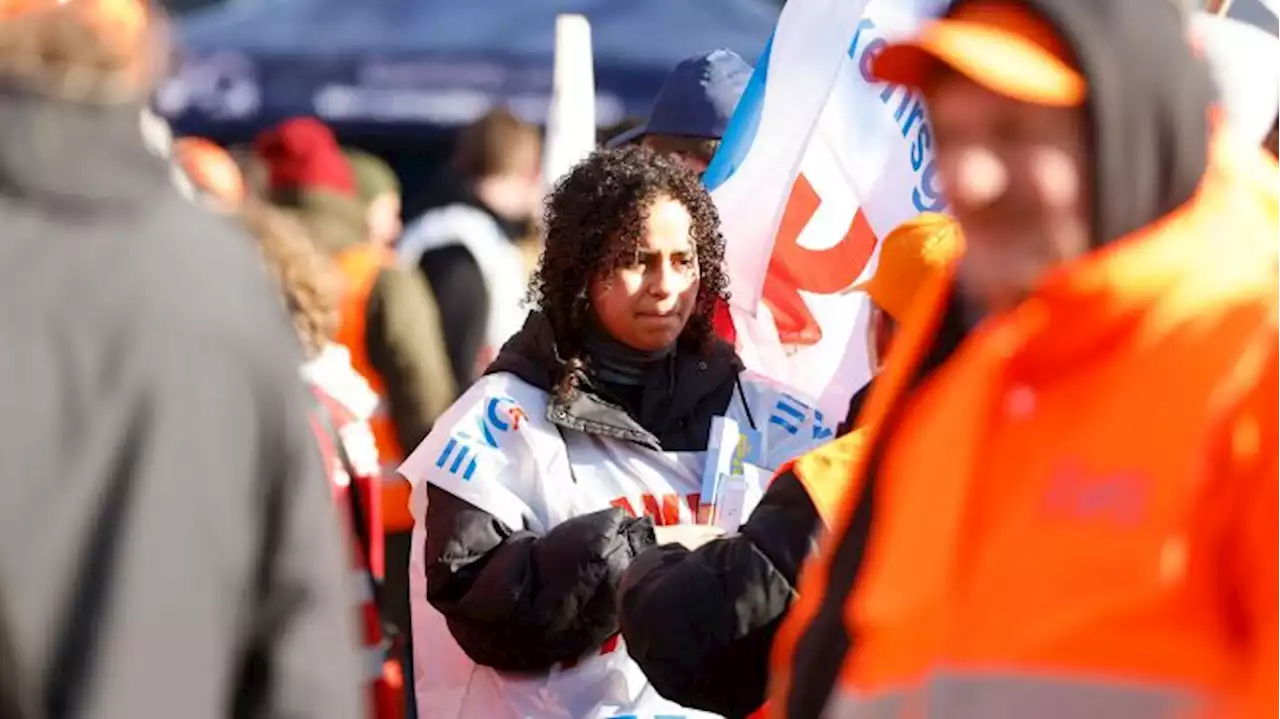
point(546, 479)
point(168, 546)
point(387, 318)
point(693, 108)
point(310, 287)
point(465, 247)
point(607, 133)
point(910, 257)
point(378, 189)
point(1075, 514)
point(209, 175)
point(701, 622)
point(688, 120)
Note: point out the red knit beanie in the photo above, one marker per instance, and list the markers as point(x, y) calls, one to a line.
point(302, 154)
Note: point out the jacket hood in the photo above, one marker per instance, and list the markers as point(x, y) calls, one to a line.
point(530, 354)
point(77, 158)
point(335, 222)
point(1148, 104)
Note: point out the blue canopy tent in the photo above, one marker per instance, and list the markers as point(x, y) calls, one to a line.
point(388, 64)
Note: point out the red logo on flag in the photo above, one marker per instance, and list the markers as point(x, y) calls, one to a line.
point(793, 268)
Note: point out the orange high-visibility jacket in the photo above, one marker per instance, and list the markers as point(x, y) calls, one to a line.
point(829, 489)
point(360, 265)
point(1076, 516)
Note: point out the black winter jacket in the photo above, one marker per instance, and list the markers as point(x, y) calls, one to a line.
point(700, 624)
point(523, 603)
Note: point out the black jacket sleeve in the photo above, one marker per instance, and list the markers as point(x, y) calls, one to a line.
point(463, 300)
point(521, 603)
point(700, 624)
point(858, 399)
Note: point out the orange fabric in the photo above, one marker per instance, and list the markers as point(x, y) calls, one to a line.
point(998, 44)
point(360, 266)
point(914, 252)
point(825, 472)
point(211, 169)
point(1137, 542)
point(396, 491)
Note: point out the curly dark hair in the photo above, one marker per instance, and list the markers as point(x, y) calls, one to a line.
point(308, 281)
point(594, 220)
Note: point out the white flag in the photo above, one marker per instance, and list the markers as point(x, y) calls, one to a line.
point(817, 164)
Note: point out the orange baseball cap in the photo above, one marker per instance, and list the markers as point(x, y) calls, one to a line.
point(999, 44)
point(915, 252)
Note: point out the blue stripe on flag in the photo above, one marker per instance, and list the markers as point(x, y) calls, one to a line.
point(471, 470)
point(741, 132)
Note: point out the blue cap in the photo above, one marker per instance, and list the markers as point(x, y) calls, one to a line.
point(696, 100)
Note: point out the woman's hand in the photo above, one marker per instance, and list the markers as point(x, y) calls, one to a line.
point(691, 536)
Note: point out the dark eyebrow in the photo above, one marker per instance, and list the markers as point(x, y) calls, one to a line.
point(648, 254)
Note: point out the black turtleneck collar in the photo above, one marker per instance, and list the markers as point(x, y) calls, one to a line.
point(613, 363)
point(670, 411)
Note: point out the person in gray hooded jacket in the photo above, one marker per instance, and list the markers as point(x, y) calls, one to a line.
point(168, 547)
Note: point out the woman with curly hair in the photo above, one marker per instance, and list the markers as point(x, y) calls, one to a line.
point(579, 451)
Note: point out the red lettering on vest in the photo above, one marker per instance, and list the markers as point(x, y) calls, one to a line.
point(625, 505)
point(664, 510)
point(694, 501)
point(665, 513)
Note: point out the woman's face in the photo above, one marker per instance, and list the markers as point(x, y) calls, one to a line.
point(646, 303)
